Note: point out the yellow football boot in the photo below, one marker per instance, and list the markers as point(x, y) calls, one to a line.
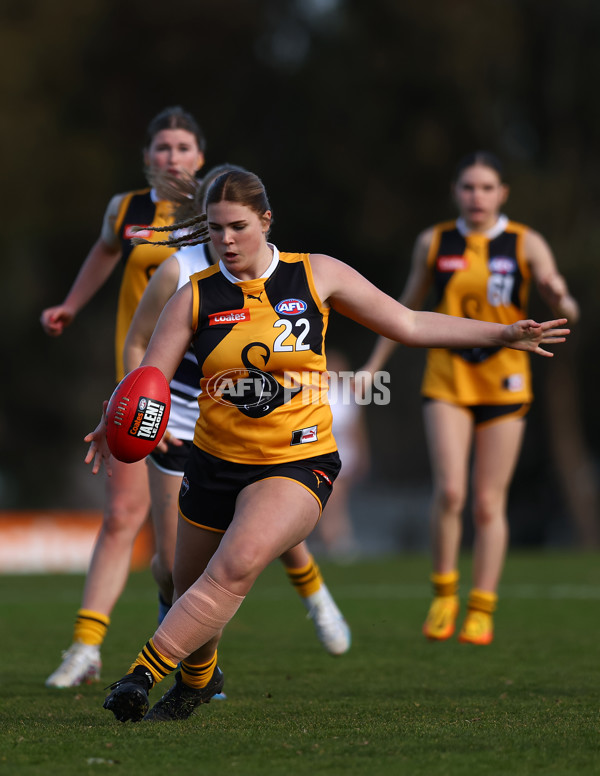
point(441, 618)
point(478, 627)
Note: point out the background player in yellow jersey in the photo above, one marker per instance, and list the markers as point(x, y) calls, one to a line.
point(479, 266)
point(175, 144)
point(263, 461)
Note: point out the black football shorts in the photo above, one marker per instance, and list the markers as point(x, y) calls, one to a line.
point(211, 485)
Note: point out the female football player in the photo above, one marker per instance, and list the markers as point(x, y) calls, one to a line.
point(175, 144)
point(480, 266)
point(167, 462)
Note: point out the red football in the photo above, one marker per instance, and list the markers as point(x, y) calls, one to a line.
point(137, 414)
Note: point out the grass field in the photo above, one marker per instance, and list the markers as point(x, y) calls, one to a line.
point(395, 704)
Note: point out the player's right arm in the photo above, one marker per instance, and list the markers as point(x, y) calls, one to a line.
point(169, 342)
point(173, 333)
point(94, 272)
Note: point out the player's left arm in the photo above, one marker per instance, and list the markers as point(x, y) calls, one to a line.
point(351, 294)
point(551, 285)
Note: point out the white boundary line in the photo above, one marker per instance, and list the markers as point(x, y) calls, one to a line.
point(390, 592)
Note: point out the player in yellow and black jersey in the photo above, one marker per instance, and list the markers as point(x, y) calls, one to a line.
point(479, 266)
point(175, 144)
point(276, 320)
point(264, 459)
point(166, 463)
point(142, 208)
point(484, 276)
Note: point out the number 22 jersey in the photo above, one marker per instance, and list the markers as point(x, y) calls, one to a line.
point(260, 345)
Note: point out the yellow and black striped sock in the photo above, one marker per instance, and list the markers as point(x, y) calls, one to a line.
point(90, 627)
point(445, 584)
point(198, 676)
point(482, 601)
point(158, 665)
point(307, 579)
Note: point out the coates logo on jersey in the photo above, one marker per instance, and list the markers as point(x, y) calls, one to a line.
point(229, 316)
point(291, 307)
point(503, 265)
point(136, 230)
point(451, 263)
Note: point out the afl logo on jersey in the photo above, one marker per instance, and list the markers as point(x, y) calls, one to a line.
point(503, 265)
point(291, 307)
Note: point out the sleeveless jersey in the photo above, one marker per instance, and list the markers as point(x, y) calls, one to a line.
point(486, 277)
point(260, 346)
point(137, 208)
point(185, 385)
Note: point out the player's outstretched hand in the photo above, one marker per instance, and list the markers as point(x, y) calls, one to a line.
point(99, 450)
point(530, 335)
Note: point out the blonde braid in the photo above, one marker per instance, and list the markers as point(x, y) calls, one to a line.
point(191, 238)
point(198, 234)
point(192, 221)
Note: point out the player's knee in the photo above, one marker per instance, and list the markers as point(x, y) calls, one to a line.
point(237, 570)
point(451, 498)
point(123, 517)
point(487, 508)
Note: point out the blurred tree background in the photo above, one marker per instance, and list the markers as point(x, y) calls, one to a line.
point(354, 115)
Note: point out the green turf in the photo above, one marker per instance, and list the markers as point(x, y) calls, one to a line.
point(395, 704)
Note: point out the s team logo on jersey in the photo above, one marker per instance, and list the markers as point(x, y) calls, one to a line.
point(147, 418)
point(128, 231)
point(451, 263)
point(503, 265)
point(291, 307)
point(229, 316)
point(304, 435)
